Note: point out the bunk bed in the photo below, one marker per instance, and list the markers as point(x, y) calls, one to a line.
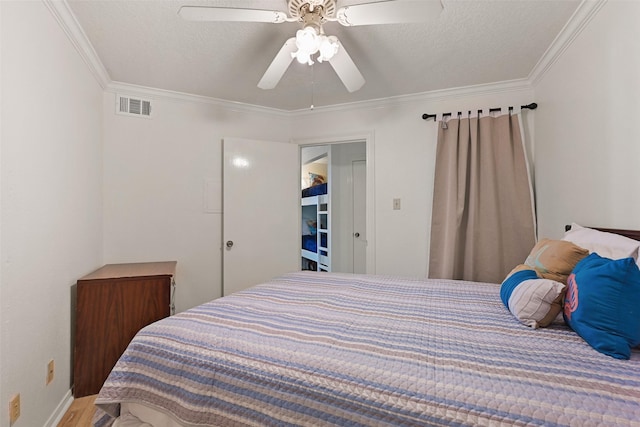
point(310, 348)
point(315, 224)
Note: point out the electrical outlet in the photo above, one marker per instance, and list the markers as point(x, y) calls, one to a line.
point(14, 409)
point(50, 371)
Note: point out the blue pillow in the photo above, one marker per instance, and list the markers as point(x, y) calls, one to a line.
point(602, 304)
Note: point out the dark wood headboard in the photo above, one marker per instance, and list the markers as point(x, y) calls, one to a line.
point(632, 234)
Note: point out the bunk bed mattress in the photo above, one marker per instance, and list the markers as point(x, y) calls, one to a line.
point(310, 242)
point(314, 348)
point(316, 190)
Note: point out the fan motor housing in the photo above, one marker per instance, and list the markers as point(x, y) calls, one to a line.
point(300, 9)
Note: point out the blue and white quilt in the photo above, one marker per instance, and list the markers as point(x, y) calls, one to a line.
point(311, 349)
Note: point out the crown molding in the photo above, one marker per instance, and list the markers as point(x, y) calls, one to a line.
point(154, 93)
point(510, 86)
point(586, 10)
point(70, 25)
point(431, 96)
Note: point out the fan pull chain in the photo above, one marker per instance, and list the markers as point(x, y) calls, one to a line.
point(312, 85)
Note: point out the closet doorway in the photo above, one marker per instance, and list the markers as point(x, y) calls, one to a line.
point(333, 208)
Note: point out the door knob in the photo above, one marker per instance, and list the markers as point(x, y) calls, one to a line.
point(229, 243)
point(356, 234)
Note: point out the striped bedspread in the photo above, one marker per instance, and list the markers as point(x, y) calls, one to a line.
point(336, 349)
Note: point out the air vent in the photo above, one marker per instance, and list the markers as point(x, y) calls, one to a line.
point(133, 106)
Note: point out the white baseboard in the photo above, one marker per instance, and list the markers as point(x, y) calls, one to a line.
point(59, 412)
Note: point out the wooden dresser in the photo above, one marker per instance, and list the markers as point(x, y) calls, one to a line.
point(112, 304)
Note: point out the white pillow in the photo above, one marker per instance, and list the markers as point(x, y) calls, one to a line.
point(607, 245)
point(537, 302)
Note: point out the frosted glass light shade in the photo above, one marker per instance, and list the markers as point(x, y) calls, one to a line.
point(308, 40)
point(303, 57)
point(328, 47)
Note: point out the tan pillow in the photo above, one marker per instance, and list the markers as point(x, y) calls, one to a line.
point(555, 259)
point(521, 267)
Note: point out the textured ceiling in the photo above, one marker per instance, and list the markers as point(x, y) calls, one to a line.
point(472, 42)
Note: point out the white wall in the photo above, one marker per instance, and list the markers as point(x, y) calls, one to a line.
point(51, 175)
point(154, 185)
point(587, 136)
point(155, 170)
point(405, 147)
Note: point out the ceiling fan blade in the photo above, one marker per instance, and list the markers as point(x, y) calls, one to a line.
point(203, 13)
point(346, 69)
point(279, 65)
point(389, 12)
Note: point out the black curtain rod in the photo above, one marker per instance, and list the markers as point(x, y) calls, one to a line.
point(531, 106)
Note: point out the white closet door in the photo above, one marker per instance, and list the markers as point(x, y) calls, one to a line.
point(261, 232)
point(359, 183)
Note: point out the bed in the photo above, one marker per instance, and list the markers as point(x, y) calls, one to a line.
point(313, 348)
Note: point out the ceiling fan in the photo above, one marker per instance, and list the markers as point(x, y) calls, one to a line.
point(310, 41)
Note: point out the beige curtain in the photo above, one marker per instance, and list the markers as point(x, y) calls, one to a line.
point(483, 221)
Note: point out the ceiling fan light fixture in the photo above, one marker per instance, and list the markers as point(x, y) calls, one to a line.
point(308, 40)
point(303, 57)
point(328, 47)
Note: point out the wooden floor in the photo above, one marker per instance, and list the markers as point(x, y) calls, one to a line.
point(79, 413)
